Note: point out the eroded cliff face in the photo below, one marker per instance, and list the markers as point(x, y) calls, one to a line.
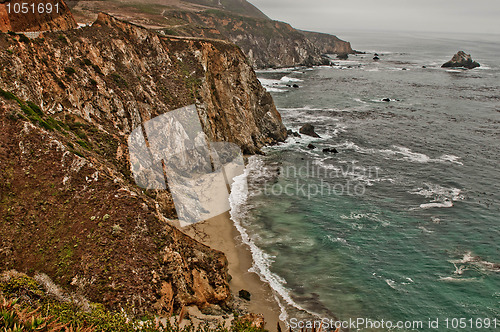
point(68, 204)
point(266, 43)
point(12, 18)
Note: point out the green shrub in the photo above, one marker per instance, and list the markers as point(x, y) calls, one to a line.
point(24, 39)
point(83, 144)
point(62, 38)
point(35, 108)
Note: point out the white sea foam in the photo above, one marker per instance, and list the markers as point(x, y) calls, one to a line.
point(401, 153)
point(452, 279)
point(442, 197)
point(290, 79)
point(277, 70)
point(336, 239)
point(261, 260)
point(391, 283)
point(271, 89)
point(469, 260)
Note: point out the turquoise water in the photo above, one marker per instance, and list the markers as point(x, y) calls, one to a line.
point(402, 223)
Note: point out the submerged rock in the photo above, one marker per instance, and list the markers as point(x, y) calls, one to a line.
point(462, 60)
point(308, 129)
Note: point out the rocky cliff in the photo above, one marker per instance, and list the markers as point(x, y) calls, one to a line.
point(57, 18)
point(68, 204)
point(265, 42)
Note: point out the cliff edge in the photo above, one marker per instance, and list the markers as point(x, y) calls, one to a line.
point(68, 204)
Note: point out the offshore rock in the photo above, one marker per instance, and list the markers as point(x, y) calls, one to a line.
point(461, 60)
point(308, 129)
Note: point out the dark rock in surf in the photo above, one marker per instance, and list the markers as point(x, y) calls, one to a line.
point(311, 146)
point(308, 130)
point(386, 100)
point(376, 58)
point(292, 133)
point(295, 86)
point(461, 60)
point(330, 150)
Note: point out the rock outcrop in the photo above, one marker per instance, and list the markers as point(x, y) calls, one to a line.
point(68, 204)
point(461, 60)
point(59, 18)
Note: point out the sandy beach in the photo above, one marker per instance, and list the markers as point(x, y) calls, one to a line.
point(220, 233)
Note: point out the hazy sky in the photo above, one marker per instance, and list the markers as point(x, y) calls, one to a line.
point(476, 16)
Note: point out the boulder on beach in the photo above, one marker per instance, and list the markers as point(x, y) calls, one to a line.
point(244, 294)
point(462, 60)
point(308, 129)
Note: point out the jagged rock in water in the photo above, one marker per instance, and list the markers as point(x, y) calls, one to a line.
point(330, 150)
point(461, 60)
point(308, 129)
point(311, 146)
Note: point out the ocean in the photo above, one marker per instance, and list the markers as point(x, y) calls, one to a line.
point(402, 224)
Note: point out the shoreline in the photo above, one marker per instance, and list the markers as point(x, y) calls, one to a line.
point(220, 233)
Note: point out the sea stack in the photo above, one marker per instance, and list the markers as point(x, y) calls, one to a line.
point(461, 59)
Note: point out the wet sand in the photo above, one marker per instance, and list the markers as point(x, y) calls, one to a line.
point(220, 233)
